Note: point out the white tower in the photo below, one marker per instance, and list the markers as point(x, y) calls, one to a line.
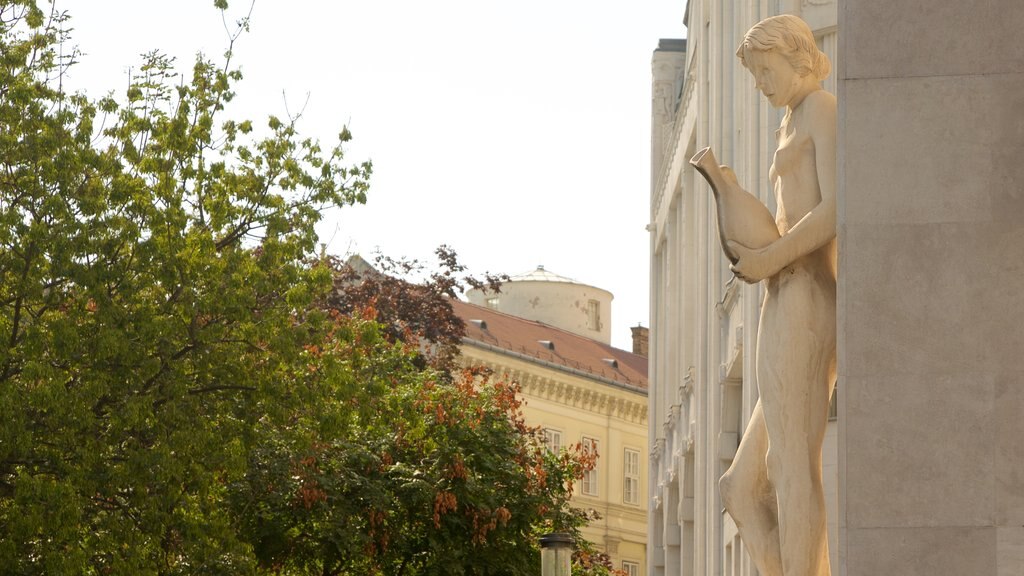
point(562, 302)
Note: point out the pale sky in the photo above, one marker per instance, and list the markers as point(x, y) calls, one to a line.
point(517, 132)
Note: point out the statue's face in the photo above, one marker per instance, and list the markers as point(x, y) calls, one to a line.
point(774, 76)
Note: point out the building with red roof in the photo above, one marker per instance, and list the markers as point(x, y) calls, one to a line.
point(578, 388)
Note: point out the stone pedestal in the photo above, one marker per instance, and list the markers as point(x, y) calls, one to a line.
point(931, 295)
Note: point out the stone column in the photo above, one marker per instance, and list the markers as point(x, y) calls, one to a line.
point(931, 295)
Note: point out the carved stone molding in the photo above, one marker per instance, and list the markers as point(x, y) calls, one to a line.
point(677, 128)
point(611, 544)
point(657, 449)
point(731, 295)
point(663, 98)
point(574, 395)
point(672, 418)
point(688, 381)
point(730, 373)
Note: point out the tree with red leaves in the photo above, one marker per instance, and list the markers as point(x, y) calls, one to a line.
point(389, 467)
point(427, 468)
point(409, 311)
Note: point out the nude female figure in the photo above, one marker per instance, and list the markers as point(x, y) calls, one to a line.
point(773, 490)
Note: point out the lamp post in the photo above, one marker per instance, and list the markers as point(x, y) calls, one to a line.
point(556, 554)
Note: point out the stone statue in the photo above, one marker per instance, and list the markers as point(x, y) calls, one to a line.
point(773, 490)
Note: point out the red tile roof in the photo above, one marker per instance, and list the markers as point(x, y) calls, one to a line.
point(555, 347)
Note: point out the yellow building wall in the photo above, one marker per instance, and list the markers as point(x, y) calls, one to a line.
point(578, 406)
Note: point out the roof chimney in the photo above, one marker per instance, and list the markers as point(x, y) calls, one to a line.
point(640, 337)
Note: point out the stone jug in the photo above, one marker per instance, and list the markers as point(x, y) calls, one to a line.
point(742, 218)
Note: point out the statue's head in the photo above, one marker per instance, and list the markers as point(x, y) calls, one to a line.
point(790, 37)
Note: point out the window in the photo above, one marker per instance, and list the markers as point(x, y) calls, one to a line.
point(590, 476)
point(493, 303)
point(631, 477)
point(594, 315)
point(631, 568)
point(553, 440)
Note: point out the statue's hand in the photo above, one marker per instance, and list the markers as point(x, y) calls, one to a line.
point(752, 266)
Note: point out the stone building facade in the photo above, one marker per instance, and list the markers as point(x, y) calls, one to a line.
point(703, 320)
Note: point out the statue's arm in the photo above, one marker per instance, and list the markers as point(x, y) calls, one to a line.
point(817, 227)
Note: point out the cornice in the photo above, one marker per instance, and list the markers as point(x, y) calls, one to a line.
point(540, 362)
point(634, 512)
point(588, 398)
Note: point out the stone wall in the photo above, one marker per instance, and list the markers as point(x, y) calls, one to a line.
point(931, 309)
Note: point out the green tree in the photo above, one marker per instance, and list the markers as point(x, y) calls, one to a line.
point(153, 260)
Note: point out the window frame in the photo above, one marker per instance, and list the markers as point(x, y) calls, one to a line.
point(589, 485)
point(550, 433)
point(594, 315)
point(631, 479)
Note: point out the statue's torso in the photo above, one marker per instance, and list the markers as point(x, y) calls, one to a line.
point(794, 179)
point(793, 172)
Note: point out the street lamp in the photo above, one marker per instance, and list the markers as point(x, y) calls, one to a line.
point(556, 554)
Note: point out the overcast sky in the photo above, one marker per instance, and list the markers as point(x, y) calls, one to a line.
point(517, 132)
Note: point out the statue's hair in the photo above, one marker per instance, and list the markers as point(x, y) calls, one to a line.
point(792, 38)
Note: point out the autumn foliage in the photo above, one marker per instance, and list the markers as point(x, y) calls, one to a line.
point(416, 312)
point(415, 475)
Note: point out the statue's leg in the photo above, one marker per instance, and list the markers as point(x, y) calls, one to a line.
point(794, 467)
point(793, 370)
point(749, 497)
